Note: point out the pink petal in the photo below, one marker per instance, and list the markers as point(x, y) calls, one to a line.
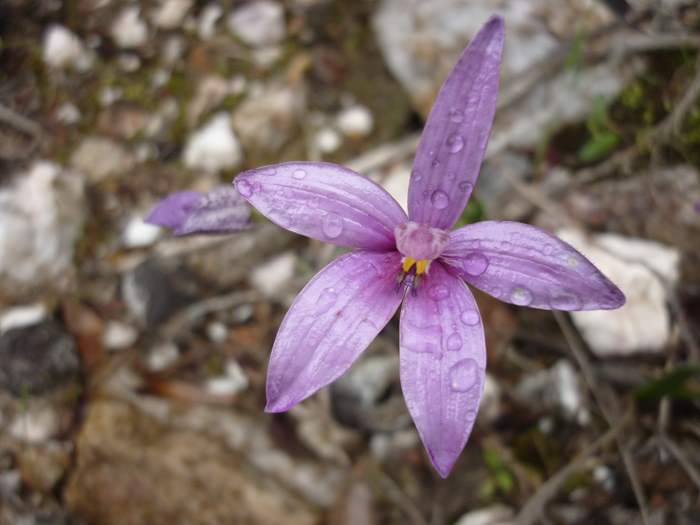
point(443, 357)
point(221, 210)
point(324, 201)
point(527, 266)
point(455, 136)
point(332, 320)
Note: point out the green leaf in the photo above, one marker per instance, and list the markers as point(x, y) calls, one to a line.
point(599, 145)
point(683, 382)
point(472, 213)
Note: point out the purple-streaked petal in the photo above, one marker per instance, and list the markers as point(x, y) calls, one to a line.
point(172, 211)
point(455, 136)
point(221, 210)
point(332, 320)
point(443, 357)
point(324, 201)
point(527, 266)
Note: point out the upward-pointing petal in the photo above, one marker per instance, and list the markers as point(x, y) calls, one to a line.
point(454, 139)
point(332, 320)
point(324, 201)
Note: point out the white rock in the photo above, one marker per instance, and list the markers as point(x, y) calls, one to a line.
point(173, 49)
point(271, 277)
point(64, 49)
point(109, 95)
point(207, 21)
point(396, 183)
point(494, 515)
point(118, 335)
point(211, 91)
point(490, 406)
point(68, 113)
point(100, 158)
point(643, 323)
point(388, 445)
point(233, 382)
point(217, 332)
point(258, 24)
point(35, 425)
point(556, 388)
point(267, 119)
point(129, 30)
point(139, 233)
point(160, 77)
point(129, 62)
point(162, 356)
point(21, 316)
point(40, 220)
point(214, 147)
point(327, 140)
point(170, 13)
point(355, 121)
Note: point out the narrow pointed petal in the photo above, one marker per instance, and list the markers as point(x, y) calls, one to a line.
point(443, 358)
point(454, 139)
point(527, 266)
point(332, 320)
point(221, 210)
point(324, 201)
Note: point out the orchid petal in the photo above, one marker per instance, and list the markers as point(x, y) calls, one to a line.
point(324, 201)
point(454, 139)
point(443, 357)
point(332, 320)
point(221, 210)
point(527, 266)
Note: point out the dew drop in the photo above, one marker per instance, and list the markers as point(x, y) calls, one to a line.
point(455, 143)
point(327, 299)
point(521, 296)
point(475, 264)
point(466, 187)
point(456, 115)
point(332, 225)
point(417, 175)
point(435, 163)
point(438, 292)
point(464, 375)
point(439, 199)
point(454, 342)
point(470, 317)
point(268, 172)
point(299, 174)
point(547, 249)
point(421, 339)
point(566, 301)
point(506, 246)
point(245, 188)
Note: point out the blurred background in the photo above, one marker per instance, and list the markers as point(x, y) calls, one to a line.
point(132, 364)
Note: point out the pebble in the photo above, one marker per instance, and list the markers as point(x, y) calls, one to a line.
point(68, 113)
point(129, 30)
point(100, 158)
point(271, 277)
point(214, 147)
point(232, 382)
point(21, 316)
point(217, 332)
point(35, 425)
point(327, 140)
point(494, 515)
point(118, 335)
point(258, 24)
point(162, 356)
point(138, 233)
point(208, 18)
point(63, 49)
point(355, 121)
point(170, 13)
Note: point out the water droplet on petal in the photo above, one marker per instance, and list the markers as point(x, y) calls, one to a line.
point(245, 188)
point(268, 172)
point(547, 249)
point(332, 225)
point(566, 301)
point(475, 263)
point(521, 296)
point(456, 115)
point(454, 342)
point(455, 143)
point(470, 317)
point(417, 175)
point(421, 339)
point(438, 292)
point(506, 246)
point(327, 299)
point(435, 163)
point(464, 375)
point(439, 199)
point(466, 187)
point(299, 174)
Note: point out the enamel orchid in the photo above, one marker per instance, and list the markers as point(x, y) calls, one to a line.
point(415, 262)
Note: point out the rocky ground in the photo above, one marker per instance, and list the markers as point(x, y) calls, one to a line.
point(132, 364)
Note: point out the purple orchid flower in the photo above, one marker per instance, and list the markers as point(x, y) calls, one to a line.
point(416, 261)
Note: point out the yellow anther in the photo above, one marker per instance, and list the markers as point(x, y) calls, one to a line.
point(422, 265)
point(408, 262)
